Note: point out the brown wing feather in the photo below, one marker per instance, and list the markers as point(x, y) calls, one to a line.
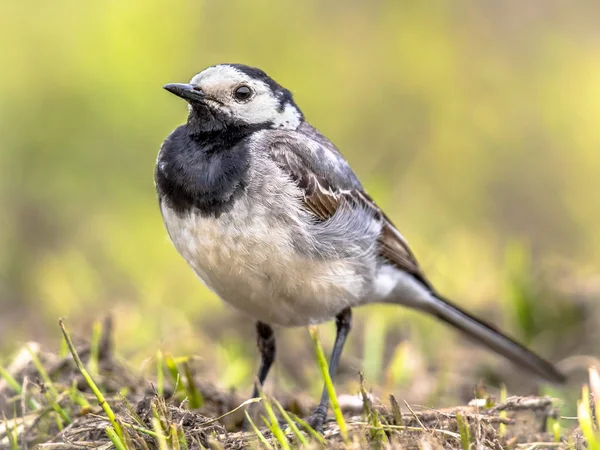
point(323, 200)
point(392, 246)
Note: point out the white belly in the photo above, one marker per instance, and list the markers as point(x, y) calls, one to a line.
point(247, 257)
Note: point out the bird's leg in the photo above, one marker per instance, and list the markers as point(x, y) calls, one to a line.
point(265, 340)
point(266, 346)
point(343, 322)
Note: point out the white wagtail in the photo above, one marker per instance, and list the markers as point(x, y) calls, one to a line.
point(271, 217)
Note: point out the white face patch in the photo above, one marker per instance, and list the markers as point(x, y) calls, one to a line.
point(219, 83)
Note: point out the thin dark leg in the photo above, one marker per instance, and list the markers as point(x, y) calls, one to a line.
point(343, 322)
point(265, 340)
point(266, 346)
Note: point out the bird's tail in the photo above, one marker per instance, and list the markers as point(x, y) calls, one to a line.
point(492, 338)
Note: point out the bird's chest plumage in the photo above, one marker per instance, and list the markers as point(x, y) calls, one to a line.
point(251, 256)
point(233, 249)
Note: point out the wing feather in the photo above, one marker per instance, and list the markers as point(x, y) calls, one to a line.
point(328, 182)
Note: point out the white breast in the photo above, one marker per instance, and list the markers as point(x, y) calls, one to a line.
point(248, 257)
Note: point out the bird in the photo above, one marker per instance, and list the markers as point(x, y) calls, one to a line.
point(272, 218)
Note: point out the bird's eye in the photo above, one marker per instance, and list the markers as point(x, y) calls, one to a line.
point(242, 93)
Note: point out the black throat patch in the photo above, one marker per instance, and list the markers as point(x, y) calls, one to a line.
point(204, 170)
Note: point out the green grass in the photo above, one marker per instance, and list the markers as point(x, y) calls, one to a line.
point(316, 437)
point(258, 433)
point(324, 369)
point(273, 423)
point(115, 439)
point(95, 348)
point(193, 394)
point(14, 385)
point(160, 437)
point(291, 424)
point(588, 409)
point(184, 381)
point(463, 429)
point(594, 378)
point(97, 392)
point(51, 392)
point(589, 427)
point(11, 433)
point(378, 430)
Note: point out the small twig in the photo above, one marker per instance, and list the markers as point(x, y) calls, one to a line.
point(523, 403)
point(414, 414)
point(408, 428)
point(534, 445)
point(64, 446)
point(216, 419)
point(141, 429)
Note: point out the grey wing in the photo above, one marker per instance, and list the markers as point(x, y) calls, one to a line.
point(328, 184)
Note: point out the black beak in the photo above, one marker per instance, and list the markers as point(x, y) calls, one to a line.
point(187, 92)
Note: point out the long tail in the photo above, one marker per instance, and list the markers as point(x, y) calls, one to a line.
point(492, 338)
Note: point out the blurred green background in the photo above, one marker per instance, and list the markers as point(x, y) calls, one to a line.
point(473, 124)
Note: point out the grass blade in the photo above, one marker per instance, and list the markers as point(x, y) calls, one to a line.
point(14, 385)
point(291, 424)
point(396, 411)
point(274, 423)
point(160, 437)
point(101, 400)
point(260, 436)
point(183, 440)
point(52, 393)
point(127, 441)
point(594, 377)
point(584, 415)
point(194, 396)
point(463, 428)
point(174, 437)
point(378, 436)
point(115, 439)
point(322, 362)
point(11, 433)
point(310, 430)
point(173, 369)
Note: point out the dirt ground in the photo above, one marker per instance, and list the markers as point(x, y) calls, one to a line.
point(49, 386)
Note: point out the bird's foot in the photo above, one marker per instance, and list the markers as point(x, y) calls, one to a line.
point(246, 425)
point(316, 420)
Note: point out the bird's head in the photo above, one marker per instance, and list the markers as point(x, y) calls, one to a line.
point(236, 95)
